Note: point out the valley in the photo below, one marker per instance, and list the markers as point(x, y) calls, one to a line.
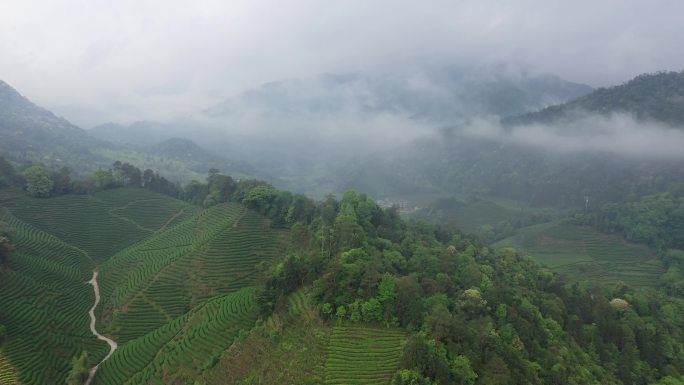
point(430, 224)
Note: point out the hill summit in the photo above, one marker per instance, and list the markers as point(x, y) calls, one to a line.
point(658, 96)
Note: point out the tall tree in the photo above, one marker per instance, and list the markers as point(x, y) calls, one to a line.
point(38, 182)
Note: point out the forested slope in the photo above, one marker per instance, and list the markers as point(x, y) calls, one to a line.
point(321, 284)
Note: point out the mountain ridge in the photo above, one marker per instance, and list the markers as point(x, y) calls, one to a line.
point(655, 96)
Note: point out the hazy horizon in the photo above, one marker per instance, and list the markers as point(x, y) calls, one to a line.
point(130, 61)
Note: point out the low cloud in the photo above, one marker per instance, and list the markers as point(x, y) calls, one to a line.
point(618, 134)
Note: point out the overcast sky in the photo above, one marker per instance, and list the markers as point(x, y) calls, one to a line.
point(125, 60)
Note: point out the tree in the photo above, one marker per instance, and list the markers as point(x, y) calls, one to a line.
point(3, 334)
point(260, 196)
point(38, 182)
point(103, 179)
point(6, 247)
point(410, 377)
point(8, 175)
point(462, 371)
point(131, 175)
point(61, 181)
point(78, 373)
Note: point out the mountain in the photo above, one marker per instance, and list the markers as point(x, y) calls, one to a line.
point(658, 96)
point(529, 164)
point(440, 96)
point(199, 159)
point(137, 133)
point(304, 130)
point(33, 134)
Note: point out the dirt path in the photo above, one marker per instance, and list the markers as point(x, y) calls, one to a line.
point(112, 343)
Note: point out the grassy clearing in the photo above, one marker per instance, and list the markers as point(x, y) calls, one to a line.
point(587, 255)
point(363, 355)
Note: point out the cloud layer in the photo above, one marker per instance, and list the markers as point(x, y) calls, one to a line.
point(128, 60)
point(617, 134)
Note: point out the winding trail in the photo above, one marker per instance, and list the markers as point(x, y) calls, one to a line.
point(111, 342)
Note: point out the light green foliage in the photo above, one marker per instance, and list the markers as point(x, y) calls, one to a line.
point(371, 310)
point(260, 197)
point(387, 289)
point(79, 372)
point(38, 182)
point(462, 371)
point(341, 312)
point(669, 380)
point(410, 377)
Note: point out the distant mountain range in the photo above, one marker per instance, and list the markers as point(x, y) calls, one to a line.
point(31, 134)
point(300, 129)
point(278, 132)
point(443, 96)
point(457, 163)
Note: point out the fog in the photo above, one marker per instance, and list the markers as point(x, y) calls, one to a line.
point(125, 61)
point(617, 134)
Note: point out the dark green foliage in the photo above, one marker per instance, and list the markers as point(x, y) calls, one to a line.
point(657, 220)
point(6, 235)
point(490, 317)
point(8, 175)
point(656, 96)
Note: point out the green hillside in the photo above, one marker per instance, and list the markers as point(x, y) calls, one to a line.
point(212, 253)
point(44, 302)
point(656, 96)
point(184, 347)
point(99, 224)
point(262, 286)
point(359, 355)
point(174, 277)
point(586, 255)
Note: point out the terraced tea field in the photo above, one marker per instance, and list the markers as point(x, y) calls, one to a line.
point(175, 283)
point(363, 355)
point(587, 255)
point(44, 302)
point(157, 280)
point(8, 373)
point(99, 225)
point(182, 347)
